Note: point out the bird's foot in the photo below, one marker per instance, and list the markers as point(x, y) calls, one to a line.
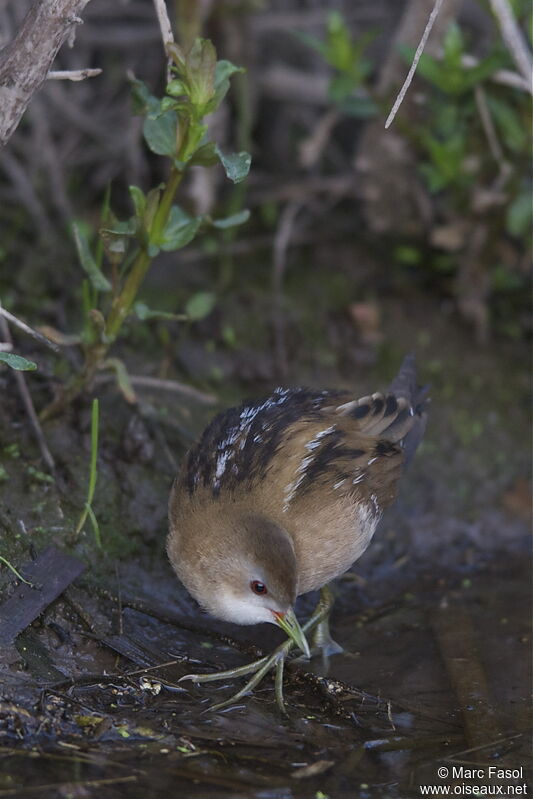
point(259, 668)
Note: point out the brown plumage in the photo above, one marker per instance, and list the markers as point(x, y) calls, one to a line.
point(286, 493)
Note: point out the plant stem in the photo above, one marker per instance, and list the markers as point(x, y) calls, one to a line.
point(17, 574)
point(122, 304)
point(92, 476)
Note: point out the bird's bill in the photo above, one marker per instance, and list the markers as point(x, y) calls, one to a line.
point(290, 624)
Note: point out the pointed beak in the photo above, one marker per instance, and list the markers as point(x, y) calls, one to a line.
point(289, 624)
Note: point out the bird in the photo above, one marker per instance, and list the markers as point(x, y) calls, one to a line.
point(282, 495)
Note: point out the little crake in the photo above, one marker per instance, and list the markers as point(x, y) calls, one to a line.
point(281, 496)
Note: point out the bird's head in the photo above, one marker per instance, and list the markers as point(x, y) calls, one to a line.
point(246, 573)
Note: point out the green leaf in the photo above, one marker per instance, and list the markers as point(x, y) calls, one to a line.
point(152, 204)
point(115, 238)
point(509, 123)
point(205, 155)
point(315, 44)
point(224, 70)
point(176, 88)
point(453, 46)
point(139, 201)
point(178, 56)
point(144, 101)
point(126, 228)
point(17, 362)
point(201, 66)
point(160, 133)
point(359, 107)
point(233, 220)
point(483, 70)
point(339, 42)
point(98, 281)
point(200, 305)
point(236, 165)
point(520, 214)
point(168, 104)
point(124, 385)
point(145, 313)
point(180, 229)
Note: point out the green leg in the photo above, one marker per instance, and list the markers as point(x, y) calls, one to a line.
point(260, 667)
point(322, 640)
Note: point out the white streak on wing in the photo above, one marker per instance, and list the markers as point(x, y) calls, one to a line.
point(249, 413)
point(239, 432)
point(221, 463)
point(315, 442)
point(339, 483)
point(292, 488)
point(358, 479)
point(371, 461)
point(368, 516)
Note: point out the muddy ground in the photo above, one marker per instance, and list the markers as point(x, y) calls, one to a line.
point(434, 618)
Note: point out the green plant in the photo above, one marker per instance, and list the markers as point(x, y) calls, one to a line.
point(17, 574)
point(348, 88)
point(93, 474)
point(474, 144)
point(174, 128)
point(452, 137)
point(17, 362)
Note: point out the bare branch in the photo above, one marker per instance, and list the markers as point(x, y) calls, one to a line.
point(26, 60)
point(73, 74)
point(164, 23)
point(166, 30)
point(514, 41)
point(27, 400)
point(416, 59)
point(163, 385)
point(27, 329)
point(490, 132)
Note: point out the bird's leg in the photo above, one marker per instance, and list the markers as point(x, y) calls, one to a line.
point(322, 639)
point(321, 642)
point(264, 664)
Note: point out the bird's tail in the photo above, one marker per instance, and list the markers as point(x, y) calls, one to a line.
point(405, 385)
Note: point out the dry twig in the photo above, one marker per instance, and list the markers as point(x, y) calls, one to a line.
point(491, 135)
point(164, 385)
point(416, 59)
point(73, 74)
point(26, 60)
point(28, 402)
point(514, 41)
point(27, 329)
point(166, 30)
point(164, 22)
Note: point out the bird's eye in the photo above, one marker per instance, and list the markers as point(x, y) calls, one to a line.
point(258, 587)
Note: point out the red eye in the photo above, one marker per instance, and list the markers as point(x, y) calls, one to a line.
point(258, 587)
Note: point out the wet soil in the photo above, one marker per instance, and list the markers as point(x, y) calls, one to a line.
point(434, 619)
